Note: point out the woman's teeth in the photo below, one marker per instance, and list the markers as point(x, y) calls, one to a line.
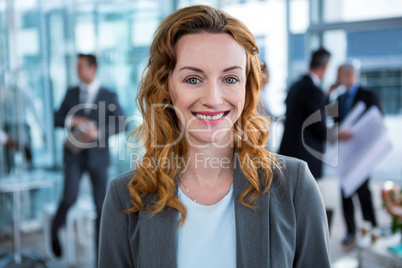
point(210, 117)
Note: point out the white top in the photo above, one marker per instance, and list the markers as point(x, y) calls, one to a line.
point(208, 236)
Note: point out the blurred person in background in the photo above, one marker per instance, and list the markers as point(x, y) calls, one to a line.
point(23, 115)
point(6, 139)
point(96, 117)
point(8, 143)
point(263, 108)
point(348, 75)
point(304, 98)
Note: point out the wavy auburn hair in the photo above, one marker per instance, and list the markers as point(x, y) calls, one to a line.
point(155, 175)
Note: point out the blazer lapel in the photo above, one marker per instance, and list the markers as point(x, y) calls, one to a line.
point(99, 101)
point(158, 234)
point(157, 242)
point(252, 226)
point(75, 100)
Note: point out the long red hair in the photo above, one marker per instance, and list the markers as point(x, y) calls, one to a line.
point(157, 171)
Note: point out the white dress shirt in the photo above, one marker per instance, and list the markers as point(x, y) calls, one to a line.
point(315, 78)
point(92, 89)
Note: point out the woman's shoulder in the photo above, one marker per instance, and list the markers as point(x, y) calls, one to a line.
point(123, 179)
point(289, 165)
point(292, 173)
point(294, 187)
point(120, 186)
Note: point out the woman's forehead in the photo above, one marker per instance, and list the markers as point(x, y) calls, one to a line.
point(210, 49)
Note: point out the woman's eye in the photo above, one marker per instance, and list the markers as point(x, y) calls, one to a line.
point(193, 80)
point(230, 80)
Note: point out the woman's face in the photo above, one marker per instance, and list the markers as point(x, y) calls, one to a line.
point(208, 86)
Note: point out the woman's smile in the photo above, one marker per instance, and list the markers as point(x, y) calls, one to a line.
point(211, 118)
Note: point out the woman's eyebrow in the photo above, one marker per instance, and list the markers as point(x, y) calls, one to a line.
point(233, 68)
point(201, 71)
point(191, 68)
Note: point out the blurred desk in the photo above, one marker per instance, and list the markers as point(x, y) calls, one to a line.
point(378, 255)
point(16, 183)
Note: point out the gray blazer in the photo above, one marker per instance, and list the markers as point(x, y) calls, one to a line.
point(289, 229)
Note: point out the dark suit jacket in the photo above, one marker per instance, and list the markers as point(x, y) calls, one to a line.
point(303, 100)
point(369, 98)
point(106, 117)
point(289, 229)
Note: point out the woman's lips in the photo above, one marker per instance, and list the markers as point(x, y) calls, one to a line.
point(211, 118)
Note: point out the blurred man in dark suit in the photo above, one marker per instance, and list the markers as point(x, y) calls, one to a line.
point(91, 114)
point(305, 98)
point(348, 76)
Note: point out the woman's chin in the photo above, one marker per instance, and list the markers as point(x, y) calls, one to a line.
point(206, 140)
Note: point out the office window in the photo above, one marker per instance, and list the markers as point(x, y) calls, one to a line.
point(355, 10)
point(388, 85)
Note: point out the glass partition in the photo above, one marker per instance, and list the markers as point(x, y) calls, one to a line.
point(120, 35)
point(39, 42)
point(4, 61)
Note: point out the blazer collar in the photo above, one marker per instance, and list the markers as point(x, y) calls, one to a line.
point(158, 233)
point(252, 226)
point(157, 239)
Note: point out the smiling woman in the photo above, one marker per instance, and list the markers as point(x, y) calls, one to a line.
point(206, 192)
point(208, 86)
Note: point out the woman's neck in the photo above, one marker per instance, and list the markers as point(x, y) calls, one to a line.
point(208, 165)
point(208, 175)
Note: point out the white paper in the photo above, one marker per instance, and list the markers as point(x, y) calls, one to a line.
point(358, 156)
point(331, 156)
point(353, 116)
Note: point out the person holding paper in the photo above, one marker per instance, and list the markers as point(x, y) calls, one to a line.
point(348, 77)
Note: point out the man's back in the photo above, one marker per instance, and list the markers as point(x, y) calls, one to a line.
point(303, 100)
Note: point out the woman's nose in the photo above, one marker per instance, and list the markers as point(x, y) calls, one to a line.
point(212, 96)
